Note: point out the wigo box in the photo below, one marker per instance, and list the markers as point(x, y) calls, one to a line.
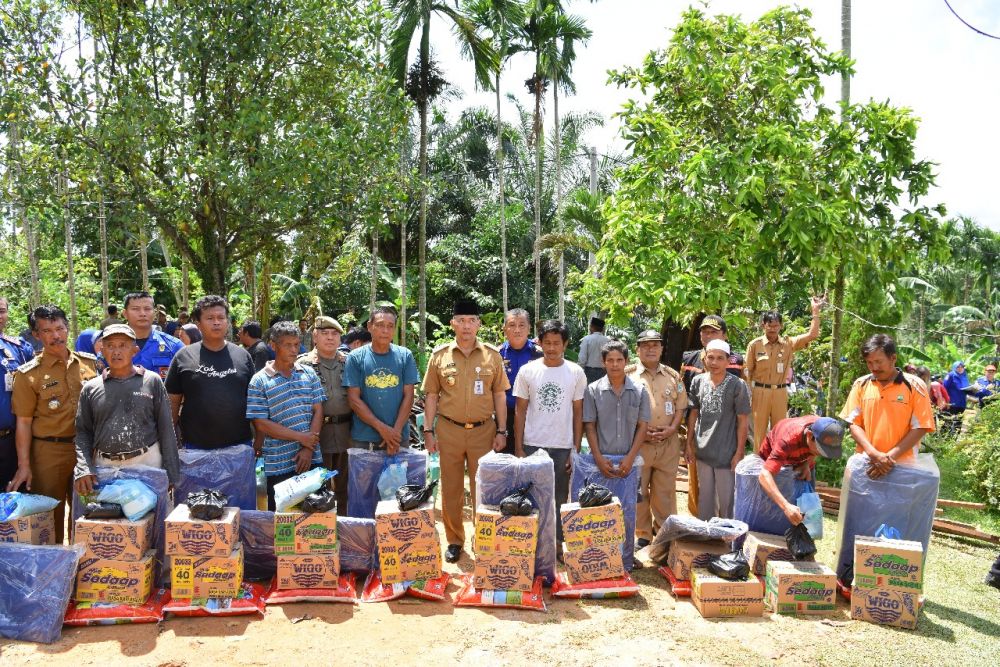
point(308, 570)
point(593, 563)
point(685, 555)
point(497, 534)
point(115, 539)
point(186, 536)
point(715, 597)
point(409, 562)
point(395, 528)
point(121, 582)
point(896, 565)
point(592, 526)
point(207, 576)
point(305, 533)
point(33, 529)
point(800, 588)
point(898, 608)
point(504, 573)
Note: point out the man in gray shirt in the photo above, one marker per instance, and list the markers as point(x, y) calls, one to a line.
point(123, 417)
point(590, 350)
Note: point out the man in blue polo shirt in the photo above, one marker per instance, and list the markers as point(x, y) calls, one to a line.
point(156, 349)
point(516, 351)
point(14, 351)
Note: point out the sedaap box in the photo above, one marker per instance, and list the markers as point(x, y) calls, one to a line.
point(592, 526)
point(505, 573)
point(192, 537)
point(207, 576)
point(593, 563)
point(875, 605)
point(409, 562)
point(115, 539)
point(798, 587)
point(499, 535)
point(121, 582)
point(305, 533)
point(715, 597)
point(759, 548)
point(318, 570)
point(685, 555)
point(394, 528)
point(896, 565)
point(33, 529)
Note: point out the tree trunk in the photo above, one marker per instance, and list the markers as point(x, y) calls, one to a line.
point(536, 255)
point(29, 230)
point(103, 221)
point(559, 222)
point(500, 199)
point(143, 264)
point(71, 274)
point(373, 282)
point(425, 55)
point(169, 265)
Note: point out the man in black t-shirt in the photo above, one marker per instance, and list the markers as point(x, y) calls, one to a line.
point(250, 338)
point(207, 383)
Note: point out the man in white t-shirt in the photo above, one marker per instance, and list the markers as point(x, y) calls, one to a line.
point(549, 410)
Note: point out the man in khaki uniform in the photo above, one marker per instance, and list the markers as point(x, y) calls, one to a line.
point(465, 387)
point(335, 435)
point(661, 450)
point(46, 393)
point(768, 362)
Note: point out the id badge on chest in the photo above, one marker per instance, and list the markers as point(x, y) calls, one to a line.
point(668, 407)
point(477, 388)
point(8, 382)
point(781, 367)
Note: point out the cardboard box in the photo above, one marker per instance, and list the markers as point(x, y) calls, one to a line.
point(759, 548)
point(505, 573)
point(207, 576)
point(409, 562)
point(800, 588)
point(115, 539)
point(898, 608)
point(593, 563)
point(499, 535)
point(895, 565)
point(190, 537)
point(318, 570)
point(394, 528)
point(304, 533)
point(122, 582)
point(34, 529)
point(592, 526)
point(685, 555)
point(715, 597)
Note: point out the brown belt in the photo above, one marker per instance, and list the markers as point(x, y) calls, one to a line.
point(769, 386)
point(337, 419)
point(70, 440)
point(465, 425)
point(125, 456)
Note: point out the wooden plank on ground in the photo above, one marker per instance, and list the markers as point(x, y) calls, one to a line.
point(942, 502)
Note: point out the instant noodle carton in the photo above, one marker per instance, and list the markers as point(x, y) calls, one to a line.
point(592, 526)
point(895, 565)
point(121, 582)
point(115, 539)
point(499, 535)
point(759, 548)
point(800, 588)
point(207, 576)
point(32, 529)
point(505, 573)
point(319, 570)
point(685, 555)
point(715, 597)
point(305, 533)
point(898, 608)
point(192, 537)
point(593, 563)
point(409, 562)
point(394, 528)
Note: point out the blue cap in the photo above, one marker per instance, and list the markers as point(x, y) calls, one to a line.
point(829, 433)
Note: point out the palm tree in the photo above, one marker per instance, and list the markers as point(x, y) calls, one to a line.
point(422, 83)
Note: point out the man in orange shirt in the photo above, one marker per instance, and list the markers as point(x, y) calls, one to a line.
point(888, 411)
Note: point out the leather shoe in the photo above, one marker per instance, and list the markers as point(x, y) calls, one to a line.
point(453, 552)
point(641, 543)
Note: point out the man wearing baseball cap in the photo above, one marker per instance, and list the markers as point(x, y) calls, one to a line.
point(713, 327)
point(796, 442)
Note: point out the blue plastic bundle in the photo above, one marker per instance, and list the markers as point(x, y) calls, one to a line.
point(35, 585)
point(499, 475)
point(754, 507)
point(905, 499)
point(626, 489)
point(226, 469)
point(16, 505)
point(365, 468)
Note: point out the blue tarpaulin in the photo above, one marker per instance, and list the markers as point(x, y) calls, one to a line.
point(365, 468)
point(626, 489)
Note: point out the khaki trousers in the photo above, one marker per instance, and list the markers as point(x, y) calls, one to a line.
point(658, 486)
point(766, 406)
point(52, 466)
point(461, 449)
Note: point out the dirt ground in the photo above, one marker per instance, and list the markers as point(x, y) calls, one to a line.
point(653, 628)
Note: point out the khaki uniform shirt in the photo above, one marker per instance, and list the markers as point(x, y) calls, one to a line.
point(330, 372)
point(666, 393)
point(768, 363)
point(455, 378)
point(48, 390)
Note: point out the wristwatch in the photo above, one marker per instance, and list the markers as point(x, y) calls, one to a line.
point(503, 432)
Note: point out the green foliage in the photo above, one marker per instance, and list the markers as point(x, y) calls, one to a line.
point(982, 445)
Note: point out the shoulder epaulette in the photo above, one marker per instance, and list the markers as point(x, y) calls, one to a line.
point(631, 368)
point(24, 368)
point(491, 346)
point(86, 355)
point(440, 347)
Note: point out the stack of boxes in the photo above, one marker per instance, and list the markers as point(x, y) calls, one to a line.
point(888, 581)
point(32, 529)
point(592, 541)
point(408, 544)
point(117, 565)
point(505, 550)
point(206, 557)
point(307, 549)
point(800, 588)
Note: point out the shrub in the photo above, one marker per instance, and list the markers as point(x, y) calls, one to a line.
point(982, 444)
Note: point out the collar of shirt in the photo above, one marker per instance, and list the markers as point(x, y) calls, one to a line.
point(271, 371)
point(136, 370)
point(604, 384)
point(661, 369)
point(453, 347)
point(52, 360)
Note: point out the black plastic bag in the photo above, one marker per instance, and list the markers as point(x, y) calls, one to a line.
point(207, 504)
point(517, 503)
point(800, 543)
point(412, 496)
point(103, 511)
point(732, 566)
point(595, 495)
point(321, 500)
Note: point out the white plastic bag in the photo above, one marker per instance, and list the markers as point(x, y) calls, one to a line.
point(136, 498)
point(293, 491)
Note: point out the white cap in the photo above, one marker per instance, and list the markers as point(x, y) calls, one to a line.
point(718, 345)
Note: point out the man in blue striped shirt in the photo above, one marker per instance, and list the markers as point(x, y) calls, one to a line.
point(285, 401)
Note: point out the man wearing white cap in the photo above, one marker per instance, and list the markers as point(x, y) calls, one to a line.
point(718, 419)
